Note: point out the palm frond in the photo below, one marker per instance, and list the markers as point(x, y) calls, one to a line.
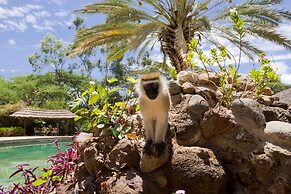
point(117, 53)
point(106, 7)
point(263, 2)
point(269, 34)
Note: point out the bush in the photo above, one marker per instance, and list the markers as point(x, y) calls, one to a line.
point(11, 131)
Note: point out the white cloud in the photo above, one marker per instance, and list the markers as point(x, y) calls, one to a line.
point(30, 19)
point(43, 14)
point(285, 29)
point(58, 2)
point(47, 25)
point(61, 13)
point(286, 79)
point(3, 27)
point(3, 2)
point(280, 67)
point(11, 41)
point(281, 57)
point(18, 11)
point(15, 25)
point(20, 18)
point(34, 6)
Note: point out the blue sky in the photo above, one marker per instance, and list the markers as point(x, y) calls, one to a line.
point(23, 24)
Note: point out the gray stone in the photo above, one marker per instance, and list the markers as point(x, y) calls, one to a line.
point(188, 88)
point(278, 132)
point(205, 92)
point(187, 133)
point(217, 121)
point(284, 96)
point(210, 95)
point(186, 76)
point(198, 105)
point(280, 105)
point(210, 77)
point(266, 100)
point(150, 163)
point(176, 99)
point(276, 114)
point(174, 88)
point(248, 113)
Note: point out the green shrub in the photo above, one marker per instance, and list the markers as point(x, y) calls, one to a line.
point(7, 109)
point(11, 131)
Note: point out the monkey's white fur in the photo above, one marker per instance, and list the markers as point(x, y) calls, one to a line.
point(155, 112)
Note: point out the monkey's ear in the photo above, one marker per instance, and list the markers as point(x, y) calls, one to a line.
point(150, 76)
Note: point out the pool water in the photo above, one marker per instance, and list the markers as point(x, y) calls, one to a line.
point(33, 154)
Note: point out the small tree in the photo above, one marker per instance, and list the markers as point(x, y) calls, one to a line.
point(53, 53)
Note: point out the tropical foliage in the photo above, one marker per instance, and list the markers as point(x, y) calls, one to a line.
point(219, 62)
point(173, 23)
point(62, 167)
point(98, 109)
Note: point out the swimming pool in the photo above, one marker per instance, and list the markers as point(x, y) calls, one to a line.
point(33, 153)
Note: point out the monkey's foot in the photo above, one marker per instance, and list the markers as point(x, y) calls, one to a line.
point(159, 149)
point(148, 147)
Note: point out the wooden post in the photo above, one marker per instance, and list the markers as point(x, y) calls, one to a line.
point(24, 126)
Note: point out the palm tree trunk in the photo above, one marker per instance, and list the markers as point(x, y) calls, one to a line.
point(174, 49)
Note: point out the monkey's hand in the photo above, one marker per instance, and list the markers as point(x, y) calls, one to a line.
point(159, 148)
point(148, 147)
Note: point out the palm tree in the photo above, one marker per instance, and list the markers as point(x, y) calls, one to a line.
point(132, 25)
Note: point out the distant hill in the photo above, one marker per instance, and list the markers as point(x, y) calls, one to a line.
point(285, 96)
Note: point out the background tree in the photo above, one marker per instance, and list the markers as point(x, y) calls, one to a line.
point(130, 25)
point(53, 53)
point(86, 61)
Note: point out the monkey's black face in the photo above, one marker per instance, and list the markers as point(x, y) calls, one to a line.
point(151, 89)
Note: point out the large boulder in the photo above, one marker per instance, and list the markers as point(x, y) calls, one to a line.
point(217, 121)
point(93, 159)
point(195, 170)
point(284, 96)
point(278, 132)
point(248, 113)
point(130, 181)
point(124, 154)
point(186, 129)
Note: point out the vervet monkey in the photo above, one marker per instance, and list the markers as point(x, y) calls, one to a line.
point(154, 102)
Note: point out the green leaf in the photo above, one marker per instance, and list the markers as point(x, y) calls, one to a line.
point(77, 118)
point(131, 80)
point(39, 182)
point(120, 104)
point(112, 80)
point(93, 98)
point(96, 111)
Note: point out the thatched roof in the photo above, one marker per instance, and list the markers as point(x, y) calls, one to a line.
point(43, 114)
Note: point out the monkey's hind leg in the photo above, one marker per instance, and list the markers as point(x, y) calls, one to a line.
point(149, 126)
point(160, 136)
